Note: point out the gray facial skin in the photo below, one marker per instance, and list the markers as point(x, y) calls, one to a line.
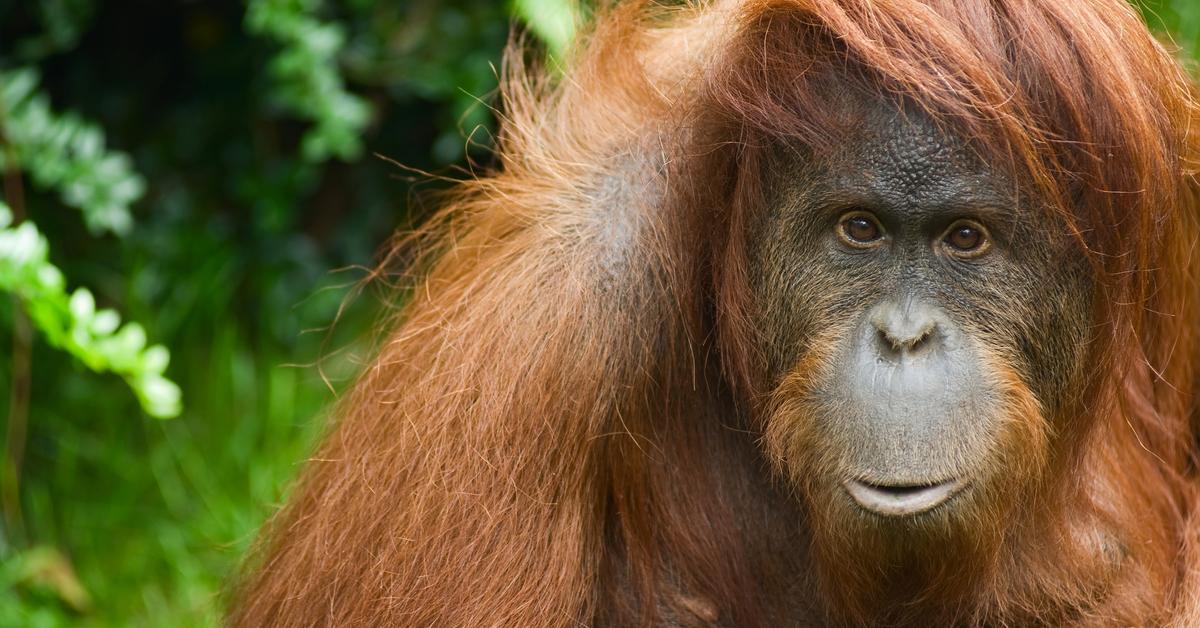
point(909, 401)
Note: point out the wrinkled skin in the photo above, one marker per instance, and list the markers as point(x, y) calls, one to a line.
point(904, 351)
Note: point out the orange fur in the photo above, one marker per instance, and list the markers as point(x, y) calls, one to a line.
point(552, 434)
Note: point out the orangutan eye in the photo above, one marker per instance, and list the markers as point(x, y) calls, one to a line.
point(966, 239)
point(860, 230)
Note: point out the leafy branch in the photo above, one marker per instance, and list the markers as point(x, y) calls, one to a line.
point(306, 74)
point(71, 322)
point(66, 153)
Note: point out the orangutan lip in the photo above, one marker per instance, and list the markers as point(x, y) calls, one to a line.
point(902, 500)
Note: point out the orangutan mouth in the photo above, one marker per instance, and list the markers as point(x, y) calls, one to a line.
point(902, 500)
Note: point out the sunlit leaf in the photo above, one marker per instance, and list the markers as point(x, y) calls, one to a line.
point(72, 322)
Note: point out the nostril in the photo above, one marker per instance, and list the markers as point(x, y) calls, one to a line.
point(904, 328)
point(886, 341)
point(921, 340)
point(906, 343)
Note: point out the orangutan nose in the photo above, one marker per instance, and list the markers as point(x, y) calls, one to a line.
point(904, 329)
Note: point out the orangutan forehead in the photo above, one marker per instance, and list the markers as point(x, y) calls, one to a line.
point(905, 159)
point(897, 156)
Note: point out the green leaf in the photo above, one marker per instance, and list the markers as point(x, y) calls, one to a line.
point(71, 321)
point(105, 322)
point(553, 21)
point(63, 152)
point(306, 74)
point(82, 304)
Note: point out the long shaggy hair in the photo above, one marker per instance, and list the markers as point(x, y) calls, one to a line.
point(551, 433)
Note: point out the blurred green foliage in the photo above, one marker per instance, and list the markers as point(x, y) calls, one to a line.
point(308, 81)
point(65, 153)
point(222, 157)
point(553, 21)
point(71, 321)
point(251, 202)
point(1176, 21)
